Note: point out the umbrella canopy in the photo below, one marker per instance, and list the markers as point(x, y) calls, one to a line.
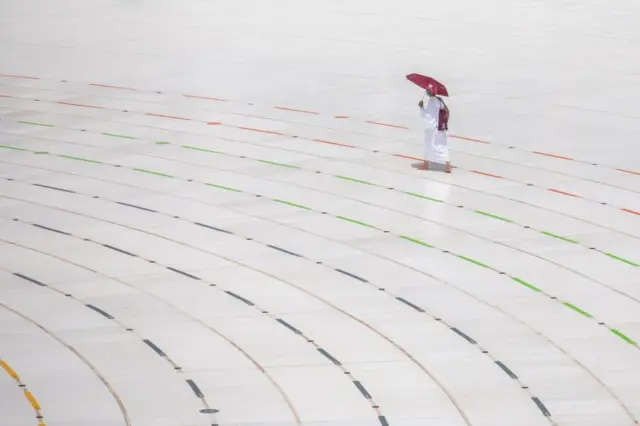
point(428, 83)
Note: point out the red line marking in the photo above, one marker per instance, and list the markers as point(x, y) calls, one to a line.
point(387, 125)
point(553, 155)
point(214, 123)
point(261, 131)
point(334, 143)
point(168, 116)
point(111, 87)
point(19, 76)
point(628, 171)
point(79, 105)
point(408, 156)
point(631, 211)
point(486, 174)
point(5, 96)
point(564, 193)
point(205, 97)
point(297, 110)
point(469, 139)
point(341, 116)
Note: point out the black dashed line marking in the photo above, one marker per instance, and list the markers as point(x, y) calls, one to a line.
point(406, 302)
point(541, 406)
point(289, 326)
point(242, 299)
point(119, 250)
point(351, 275)
point(383, 421)
point(284, 251)
point(178, 271)
point(328, 355)
point(53, 187)
point(213, 228)
point(362, 389)
point(136, 207)
point(506, 370)
point(155, 348)
point(464, 336)
point(51, 229)
point(24, 277)
point(100, 311)
point(195, 388)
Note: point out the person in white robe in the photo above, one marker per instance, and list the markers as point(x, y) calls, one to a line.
point(435, 135)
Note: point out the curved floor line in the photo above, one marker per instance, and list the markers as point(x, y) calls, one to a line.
point(514, 278)
point(123, 410)
point(527, 326)
point(542, 207)
point(595, 281)
point(312, 341)
point(29, 396)
point(149, 344)
point(335, 143)
point(341, 117)
point(199, 321)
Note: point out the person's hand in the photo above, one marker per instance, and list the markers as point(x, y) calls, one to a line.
point(421, 104)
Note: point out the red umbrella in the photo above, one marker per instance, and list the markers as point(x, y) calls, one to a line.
point(428, 83)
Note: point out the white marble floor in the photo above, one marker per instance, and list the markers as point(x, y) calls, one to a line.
point(209, 214)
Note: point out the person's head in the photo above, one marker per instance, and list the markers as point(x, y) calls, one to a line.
point(429, 90)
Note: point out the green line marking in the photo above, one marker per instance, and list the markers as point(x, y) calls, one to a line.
point(293, 204)
point(473, 261)
point(424, 197)
point(153, 173)
point(119, 136)
point(15, 148)
point(163, 143)
point(223, 187)
point(355, 180)
point(195, 148)
point(504, 219)
point(622, 259)
point(526, 284)
point(40, 152)
point(36, 124)
point(623, 337)
point(578, 310)
point(273, 163)
point(356, 221)
point(80, 159)
point(559, 237)
point(413, 240)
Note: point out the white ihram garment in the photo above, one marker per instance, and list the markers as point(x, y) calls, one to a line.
point(435, 141)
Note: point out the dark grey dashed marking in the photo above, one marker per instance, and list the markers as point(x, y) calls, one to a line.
point(119, 250)
point(329, 356)
point(284, 251)
point(242, 299)
point(351, 275)
point(362, 389)
point(155, 348)
point(541, 406)
point(209, 411)
point(24, 277)
point(464, 336)
point(506, 370)
point(50, 229)
point(53, 187)
point(212, 227)
point(383, 421)
point(136, 207)
point(406, 302)
point(100, 311)
point(289, 326)
point(195, 388)
point(178, 271)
